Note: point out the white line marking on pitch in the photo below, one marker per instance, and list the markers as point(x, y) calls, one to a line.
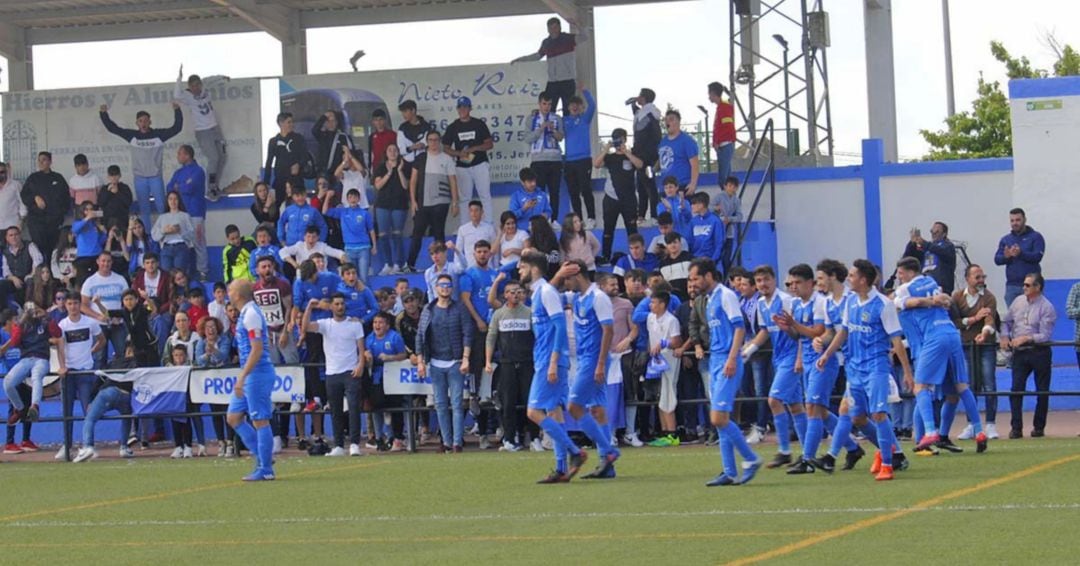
point(532, 516)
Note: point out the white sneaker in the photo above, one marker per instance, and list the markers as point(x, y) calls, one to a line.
point(62, 454)
point(199, 450)
point(555, 225)
point(967, 433)
point(396, 269)
point(126, 452)
point(187, 452)
point(485, 443)
point(547, 443)
point(277, 445)
point(632, 439)
point(354, 450)
point(337, 452)
point(386, 270)
point(755, 436)
point(86, 453)
point(590, 224)
point(508, 446)
point(991, 431)
point(177, 453)
point(536, 445)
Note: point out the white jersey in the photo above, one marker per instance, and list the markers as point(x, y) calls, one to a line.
point(201, 107)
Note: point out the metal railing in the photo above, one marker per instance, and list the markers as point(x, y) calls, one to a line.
point(768, 178)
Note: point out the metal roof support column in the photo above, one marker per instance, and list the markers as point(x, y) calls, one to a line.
point(880, 78)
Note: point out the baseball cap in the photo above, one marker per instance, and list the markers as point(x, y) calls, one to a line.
point(464, 101)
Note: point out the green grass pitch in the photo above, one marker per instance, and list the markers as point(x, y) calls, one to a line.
point(1018, 503)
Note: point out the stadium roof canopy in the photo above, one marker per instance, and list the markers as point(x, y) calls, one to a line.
point(24, 24)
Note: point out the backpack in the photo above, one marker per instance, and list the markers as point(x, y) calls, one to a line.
point(318, 448)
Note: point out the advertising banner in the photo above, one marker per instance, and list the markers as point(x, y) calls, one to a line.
point(215, 386)
point(400, 378)
point(502, 95)
point(66, 122)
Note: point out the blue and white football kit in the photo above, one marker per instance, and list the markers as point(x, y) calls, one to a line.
point(787, 385)
point(592, 312)
point(251, 327)
point(871, 325)
point(725, 317)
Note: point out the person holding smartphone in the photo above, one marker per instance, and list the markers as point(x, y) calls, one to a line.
point(89, 240)
point(620, 197)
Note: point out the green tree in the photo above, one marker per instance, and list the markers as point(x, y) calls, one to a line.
point(986, 129)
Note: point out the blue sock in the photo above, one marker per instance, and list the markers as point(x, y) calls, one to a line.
point(884, 432)
point(608, 434)
point(948, 415)
point(739, 442)
point(558, 435)
point(800, 427)
point(840, 432)
point(971, 407)
point(266, 448)
point(829, 425)
point(871, 433)
point(920, 428)
point(590, 427)
point(814, 428)
point(924, 404)
point(246, 432)
point(783, 432)
point(561, 459)
point(847, 442)
point(727, 455)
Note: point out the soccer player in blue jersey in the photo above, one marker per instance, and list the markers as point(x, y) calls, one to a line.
point(551, 363)
point(940, 354)
point(593, 317)
point(786, 392)
point(251, 394)
point(726, 334)
point(807, 321)
point(871, 331)
point(830, 283)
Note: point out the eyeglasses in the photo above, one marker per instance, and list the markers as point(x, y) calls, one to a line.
point(444, 285)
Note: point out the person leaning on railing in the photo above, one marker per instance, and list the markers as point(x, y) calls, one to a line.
point(1027, 328)
point(974, 311)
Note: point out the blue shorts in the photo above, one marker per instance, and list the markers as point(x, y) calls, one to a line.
point(956, 374)
point(546, 396)
point(820, 383)
point(934, 357)
point(256, 401)
point(786, 385)
point(585, 391)
point(722, 389)
point(868, 393)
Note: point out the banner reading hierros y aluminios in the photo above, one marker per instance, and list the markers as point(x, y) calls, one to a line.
point(503, 96)
point(66, 122)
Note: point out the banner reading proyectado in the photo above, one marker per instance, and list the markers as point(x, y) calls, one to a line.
point(503, 96)
point(66, 122)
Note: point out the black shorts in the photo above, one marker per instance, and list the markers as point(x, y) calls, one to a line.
point(633, 368)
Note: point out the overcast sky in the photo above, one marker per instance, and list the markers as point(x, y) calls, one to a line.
point(675, 48)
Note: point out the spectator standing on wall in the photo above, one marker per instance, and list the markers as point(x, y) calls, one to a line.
point(1021, 252)
point(189, 181)
point(647, 134)
point(620, 198)
point(47, 200)
point(12, 209)
point(207, 129)
point(728, 207)
point(578, 169)
point(1027, 327)
point(147, 146)
point(545, 133)
point(391, 181)
point(723, 135)
point(333, 142)
point(469, 140)
point(559, 48)
point(284, 155)
point(84, 184)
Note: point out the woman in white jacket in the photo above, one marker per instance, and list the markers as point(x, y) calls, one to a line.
point(176, 234)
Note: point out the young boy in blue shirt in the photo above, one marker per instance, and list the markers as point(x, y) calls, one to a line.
point(674, 202)
point(707, 231)
point(357, 232)
point(528, 202)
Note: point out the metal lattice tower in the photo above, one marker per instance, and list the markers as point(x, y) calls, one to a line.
point(761, 86)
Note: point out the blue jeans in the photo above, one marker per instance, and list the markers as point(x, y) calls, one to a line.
point(35, 369)
point(982, 367)
point(175, 255)
point(449, 384)
point(723, 162)
point(361, 259)
point(391, 241)
point(115, 336)
point(106, 400)
point(902, 413)
point(1012, 291)
point(761, 366)
point(81, 386)
point(145, 188)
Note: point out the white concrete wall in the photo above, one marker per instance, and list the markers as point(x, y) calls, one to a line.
point(974, 205)
point(819, 219)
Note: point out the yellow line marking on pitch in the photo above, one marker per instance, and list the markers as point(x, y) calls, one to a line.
point(920, 506)
point(400, 540)
point(166, 495)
